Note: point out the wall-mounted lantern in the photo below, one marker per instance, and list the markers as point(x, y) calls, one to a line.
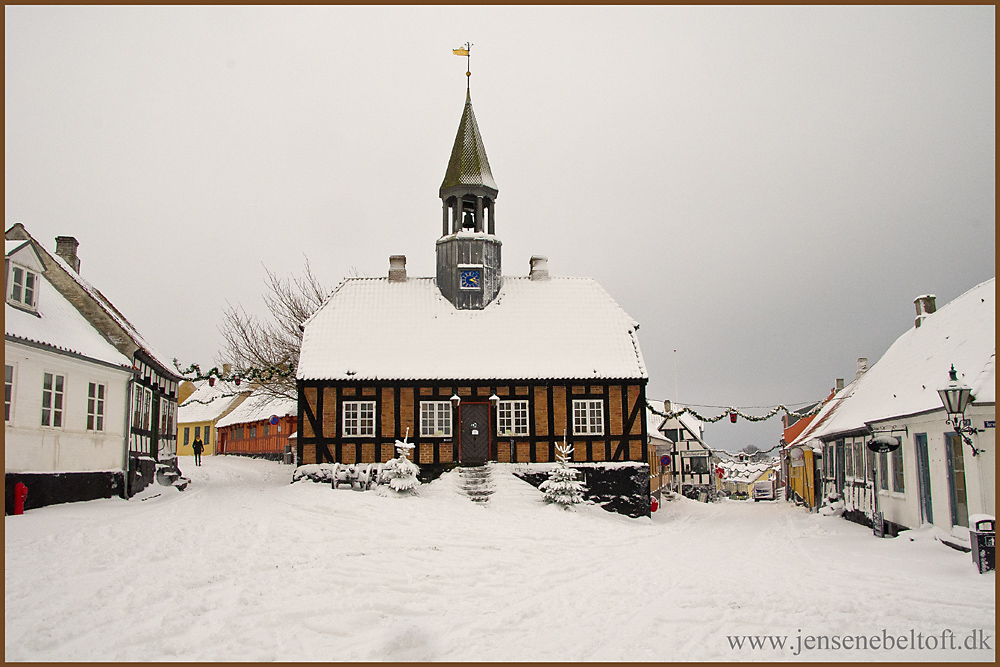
point(956, 397)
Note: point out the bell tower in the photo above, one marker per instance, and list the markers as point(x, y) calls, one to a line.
point(468, 252)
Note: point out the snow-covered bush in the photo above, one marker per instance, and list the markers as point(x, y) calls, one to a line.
point(562, 486)
point(400, 474)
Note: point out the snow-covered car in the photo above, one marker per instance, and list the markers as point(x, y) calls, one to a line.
point(763, 490)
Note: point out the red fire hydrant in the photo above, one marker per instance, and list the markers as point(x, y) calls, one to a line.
point(20, 493)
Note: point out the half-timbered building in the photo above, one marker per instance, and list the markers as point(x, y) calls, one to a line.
point(469, 365)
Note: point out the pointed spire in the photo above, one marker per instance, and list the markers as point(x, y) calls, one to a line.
point(468, 164)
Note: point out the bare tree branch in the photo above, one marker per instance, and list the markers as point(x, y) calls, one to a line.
point(253, 343)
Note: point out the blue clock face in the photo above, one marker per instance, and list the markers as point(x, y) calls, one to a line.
point(469, 278)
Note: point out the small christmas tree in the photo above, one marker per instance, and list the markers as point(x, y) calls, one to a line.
point(401, 473)
point(562, 486)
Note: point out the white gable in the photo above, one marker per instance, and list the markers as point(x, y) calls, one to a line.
point(567, 328)
point(24, 254)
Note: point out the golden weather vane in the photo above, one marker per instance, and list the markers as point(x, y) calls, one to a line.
point(467, 52)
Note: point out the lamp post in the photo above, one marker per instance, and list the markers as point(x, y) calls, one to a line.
point(956, 397)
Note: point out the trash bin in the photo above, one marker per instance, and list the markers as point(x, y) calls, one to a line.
point(982, 535)
point(288, 459)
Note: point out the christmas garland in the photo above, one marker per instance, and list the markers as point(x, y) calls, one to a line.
point(732, 413)
point(265, 374)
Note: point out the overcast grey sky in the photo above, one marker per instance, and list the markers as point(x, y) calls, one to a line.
point(764, 189)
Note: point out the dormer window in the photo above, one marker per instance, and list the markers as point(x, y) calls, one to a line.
point(23, 287)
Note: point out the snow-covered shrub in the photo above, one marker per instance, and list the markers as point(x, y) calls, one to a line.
point(400, 474)
point(562, 486)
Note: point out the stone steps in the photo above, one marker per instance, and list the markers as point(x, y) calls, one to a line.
point(477, 482)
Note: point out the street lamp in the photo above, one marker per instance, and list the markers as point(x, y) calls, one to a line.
point(956, 397)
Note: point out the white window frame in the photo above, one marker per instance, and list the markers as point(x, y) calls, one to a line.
point(27, 296)
point(358, 419)
point(164, 416)
point(588, 416)
point(57, 401)
point(513, 418)
point(435, 419)
point(8, 393)
point(97, 395)
point(147, 407)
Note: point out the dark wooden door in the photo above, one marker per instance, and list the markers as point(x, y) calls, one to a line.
point(474, 436)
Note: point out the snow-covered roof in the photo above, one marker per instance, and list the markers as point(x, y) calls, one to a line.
point(259, 406)
point(114, 313)
point(685, 420)
point(906, 379)
point(60, 325)
point(568, 328)
point(653, 422)
point(208, 403)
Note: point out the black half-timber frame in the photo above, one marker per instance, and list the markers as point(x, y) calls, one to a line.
point(397, 406)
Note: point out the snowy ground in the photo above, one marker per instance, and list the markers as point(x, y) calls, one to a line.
point(245, 566)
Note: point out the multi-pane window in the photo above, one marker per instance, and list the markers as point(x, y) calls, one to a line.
point(197, 433)
point(23, 284)
point(164, 413)
point(883, 471)
point(435, 419)
point(253, 431)
point(8, 390)
point(171, 412)
point(588, 417)
point(187, 435)
point(849, 458)
point(52, 399)
point(267, 429)
point(512, 418)
point(95, 406)
point(147, 407)
point(136, 406)
point(897, 469)
point(859, 459)
point(359, 418)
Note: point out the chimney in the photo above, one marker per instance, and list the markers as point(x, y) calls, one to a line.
point(66, 248)
point(840, 383)
point(926, 304)
point(862, 367)
point(397, 268)
point(539, 267)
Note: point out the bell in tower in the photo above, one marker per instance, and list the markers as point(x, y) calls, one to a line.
point(468, 252)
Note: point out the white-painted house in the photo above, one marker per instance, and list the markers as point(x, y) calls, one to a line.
point(150, 428)
point(933, 477)
point(65, 392)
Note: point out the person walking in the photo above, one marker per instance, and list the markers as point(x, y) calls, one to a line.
point(198, 446)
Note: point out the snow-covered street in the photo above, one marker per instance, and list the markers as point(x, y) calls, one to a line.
point(244, 565)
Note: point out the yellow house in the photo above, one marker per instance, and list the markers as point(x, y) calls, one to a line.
point(197, 415)
point(801, 462)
